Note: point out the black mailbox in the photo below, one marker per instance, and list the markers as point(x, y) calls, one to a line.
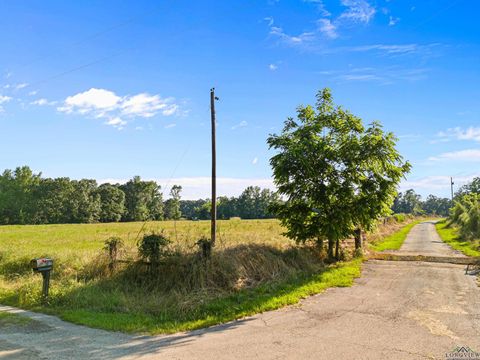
point(43, 266)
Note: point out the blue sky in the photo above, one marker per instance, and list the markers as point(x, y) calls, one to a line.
point(108, 90)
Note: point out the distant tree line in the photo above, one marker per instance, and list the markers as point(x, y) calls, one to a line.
point(253, 203)
point(29, 198)
point(410, 202)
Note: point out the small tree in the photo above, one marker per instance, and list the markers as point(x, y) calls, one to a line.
point(173, 206)
point(336, 175)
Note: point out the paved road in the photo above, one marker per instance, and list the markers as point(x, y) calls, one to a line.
point(396, 310)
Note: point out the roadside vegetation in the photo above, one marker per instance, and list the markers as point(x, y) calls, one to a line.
point(461, 230)
point(395, 240)
point(451, 236)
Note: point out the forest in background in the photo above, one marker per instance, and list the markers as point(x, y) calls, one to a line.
point(29, 198)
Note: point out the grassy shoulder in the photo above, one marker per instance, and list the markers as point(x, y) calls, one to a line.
point(244, 303)
point(395, 240)
point(79, 308)
point(451, 237)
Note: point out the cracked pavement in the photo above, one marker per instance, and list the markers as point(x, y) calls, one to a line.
point(396, 310)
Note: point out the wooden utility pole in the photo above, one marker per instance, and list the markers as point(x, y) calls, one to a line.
point(214, 170)
point(451, 186)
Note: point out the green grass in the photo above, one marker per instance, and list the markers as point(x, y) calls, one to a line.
point(254, 269)
point(243, 303)
point(395, 240)
point(451, 237)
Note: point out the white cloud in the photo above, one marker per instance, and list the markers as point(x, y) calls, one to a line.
point(32, 93)
point(472, 133)
point(169, 126)
point(43, 102)
point(393, 20)
point(255, 161)
point(145, 105)
point(116, 122)
point(269, 20)
point(320, 6)
point(292, 40)
point(105, 104)
point(91, 100)
point(200, 187)
point(383, 76)
point(327, 28)
point(389, 49)
point(4, 99)
point(436, 182)
point(462, 155)
point(241, 124)
point(21, 86)
point(273, 67)
point(358, 11)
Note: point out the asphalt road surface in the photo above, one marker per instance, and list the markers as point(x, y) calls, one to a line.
point(396, 310)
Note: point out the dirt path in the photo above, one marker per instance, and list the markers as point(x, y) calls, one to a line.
point(396, 310)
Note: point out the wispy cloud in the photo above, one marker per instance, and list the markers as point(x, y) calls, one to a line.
point(358, 11)
point(169, 126)
point(272, 67)
point(393, 21)
point(462, 155)
point(102, 103)
point(320, 6)
point(388, 75)
point(458, 133)
point(437, 182)
point(241, 124)
point(292, 40)
point(327, 28)
point(255, 160)
point(4, 99)
point(21, 86)
point(116, 122)
point(43, 102)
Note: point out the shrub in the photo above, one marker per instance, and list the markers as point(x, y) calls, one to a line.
point(153, 247)
point(466, 215)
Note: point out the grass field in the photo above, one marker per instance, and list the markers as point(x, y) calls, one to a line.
point(450, 236)
point(253, 269)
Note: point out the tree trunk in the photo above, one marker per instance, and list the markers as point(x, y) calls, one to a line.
point(358, 238)
point(331, 243)
point(337, 245)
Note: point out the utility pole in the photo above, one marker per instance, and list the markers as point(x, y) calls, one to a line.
point(451, 186)
point(214, 170)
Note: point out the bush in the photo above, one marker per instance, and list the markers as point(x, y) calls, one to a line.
point(466, 215)
point(153, 247)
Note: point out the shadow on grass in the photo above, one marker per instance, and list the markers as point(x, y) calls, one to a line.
point(187, 293)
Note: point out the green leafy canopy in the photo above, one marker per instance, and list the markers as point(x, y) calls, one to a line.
point(334, 174)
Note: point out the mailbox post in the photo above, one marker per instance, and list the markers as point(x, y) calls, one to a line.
point(43, 266)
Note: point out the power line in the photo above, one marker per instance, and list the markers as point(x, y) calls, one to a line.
point(56, 76)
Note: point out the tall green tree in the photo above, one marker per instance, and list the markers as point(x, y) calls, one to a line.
point(112, 203)
point(143, 200)
point(336, 175)
point(16, 200)
point(172, 205)
point(408, 202)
